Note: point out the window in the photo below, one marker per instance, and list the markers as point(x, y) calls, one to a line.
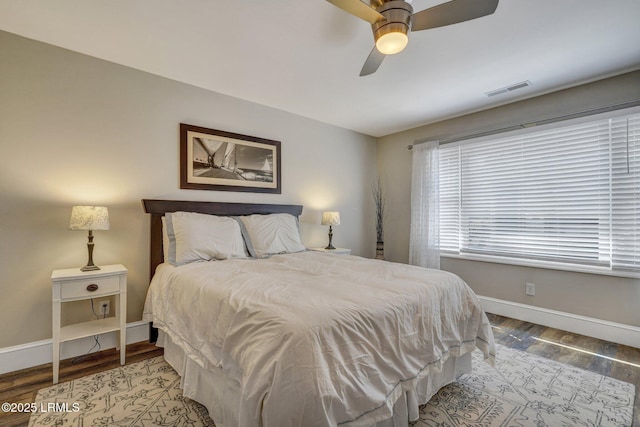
point(569, 194)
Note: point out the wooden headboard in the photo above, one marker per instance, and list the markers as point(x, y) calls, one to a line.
point(157, 209)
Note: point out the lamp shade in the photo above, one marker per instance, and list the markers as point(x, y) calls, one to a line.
point(330, 218)
point(89, 218)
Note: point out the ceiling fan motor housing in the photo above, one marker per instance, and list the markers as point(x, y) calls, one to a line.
point(397, 18)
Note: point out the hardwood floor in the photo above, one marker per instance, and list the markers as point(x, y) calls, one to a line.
point(565, 347)
point(603, 357)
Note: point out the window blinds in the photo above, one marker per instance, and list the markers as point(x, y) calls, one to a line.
point(568, 194)
point(625, 189)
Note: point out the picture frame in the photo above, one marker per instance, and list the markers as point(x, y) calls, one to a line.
point(217, 160)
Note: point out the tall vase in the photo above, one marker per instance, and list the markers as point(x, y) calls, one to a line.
point(379, 250)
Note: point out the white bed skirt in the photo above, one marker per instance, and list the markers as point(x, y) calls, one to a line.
point(220, 394)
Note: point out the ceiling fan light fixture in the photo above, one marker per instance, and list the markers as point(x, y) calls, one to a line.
point(392, 33)
point(391, 43)
point(391, 21)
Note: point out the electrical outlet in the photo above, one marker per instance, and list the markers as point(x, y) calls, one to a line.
point(530, 289)
point(105, 307)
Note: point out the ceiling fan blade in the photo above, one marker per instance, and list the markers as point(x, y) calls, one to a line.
point(358, 9)
point(372, 63)
point(451, 13)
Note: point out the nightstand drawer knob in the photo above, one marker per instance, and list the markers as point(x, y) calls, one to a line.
point(92, 287)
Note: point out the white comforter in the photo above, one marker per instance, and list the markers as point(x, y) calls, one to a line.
point(316, 339)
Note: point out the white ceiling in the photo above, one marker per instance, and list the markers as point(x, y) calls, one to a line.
point(304, 56)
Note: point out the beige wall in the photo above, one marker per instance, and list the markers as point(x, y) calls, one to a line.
point(78, 130)
point(604, 297)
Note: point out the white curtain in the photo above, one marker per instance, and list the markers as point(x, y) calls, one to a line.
point(424, 239)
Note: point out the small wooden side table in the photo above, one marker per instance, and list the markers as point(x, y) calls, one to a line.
point(74, 285)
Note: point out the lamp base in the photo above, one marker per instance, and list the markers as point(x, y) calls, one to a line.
point(330, 246)
point(90, 266)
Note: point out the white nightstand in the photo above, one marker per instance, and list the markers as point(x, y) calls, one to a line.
point(73, 285)
point(337, 251)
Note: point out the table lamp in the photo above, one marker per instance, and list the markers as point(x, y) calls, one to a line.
point(89, 218)
point(330, 219)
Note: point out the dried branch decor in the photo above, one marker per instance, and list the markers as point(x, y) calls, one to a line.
point(378, 198)
point(379, 201)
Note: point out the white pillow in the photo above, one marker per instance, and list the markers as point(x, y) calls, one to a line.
point(165, 240)
point(273, 234)
point(194, 237)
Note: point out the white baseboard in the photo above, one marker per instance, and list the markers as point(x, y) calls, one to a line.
point(583, 325)
point(40, 352)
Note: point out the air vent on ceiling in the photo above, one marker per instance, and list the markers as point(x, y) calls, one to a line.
point(509, 88)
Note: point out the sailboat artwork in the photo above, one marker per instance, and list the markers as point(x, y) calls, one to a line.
point(229, 160)
point(222, 161)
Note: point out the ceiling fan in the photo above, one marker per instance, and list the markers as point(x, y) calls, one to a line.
point(392, 20)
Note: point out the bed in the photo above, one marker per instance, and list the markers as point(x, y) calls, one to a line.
point(302, 338)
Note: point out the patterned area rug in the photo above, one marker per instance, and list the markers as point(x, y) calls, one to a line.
point(145, 393)
point(527, 390)
point(522, 390)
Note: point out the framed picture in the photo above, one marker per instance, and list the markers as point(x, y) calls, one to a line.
point(212, 159)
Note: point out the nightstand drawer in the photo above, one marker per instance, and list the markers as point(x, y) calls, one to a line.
point(78, 288)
